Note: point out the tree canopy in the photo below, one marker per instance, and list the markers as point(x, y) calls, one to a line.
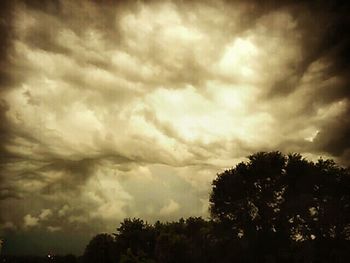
point(283, 199)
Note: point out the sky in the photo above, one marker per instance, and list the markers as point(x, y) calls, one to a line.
point(116, 109)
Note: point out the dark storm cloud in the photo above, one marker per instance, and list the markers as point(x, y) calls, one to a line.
point(4, 135)
point(6, 14)
point(324, 27)
point(333, 46)
point(6, 192)
point(75, 172)
point(334, 136)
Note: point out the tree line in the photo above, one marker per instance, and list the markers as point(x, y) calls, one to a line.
point(272, 208)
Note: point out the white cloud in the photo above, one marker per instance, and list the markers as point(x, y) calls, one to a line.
point(45, 214)
point(169, 208)
point(53, 228)
point(106, 196)
point(30, 221)
point(62, 212)
point(239, 59)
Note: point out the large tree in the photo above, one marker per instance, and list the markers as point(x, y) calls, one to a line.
point(135, 237)
point(101, 249)
point(273, 200)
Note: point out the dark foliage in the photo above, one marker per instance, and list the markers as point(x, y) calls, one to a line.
point(36, 259)
point(101, 249)
point(278, 204)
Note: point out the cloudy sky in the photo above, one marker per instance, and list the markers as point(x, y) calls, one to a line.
point(129, 109)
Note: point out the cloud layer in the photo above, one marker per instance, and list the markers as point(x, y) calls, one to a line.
point(130, 109)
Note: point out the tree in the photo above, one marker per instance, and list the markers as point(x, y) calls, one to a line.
point(135, 237)
point(283, 199)
point(183, 241)
point(101, 249)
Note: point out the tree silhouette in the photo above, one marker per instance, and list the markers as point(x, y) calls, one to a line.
point(135, 237)
point(283, 200)
point(101, 249)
